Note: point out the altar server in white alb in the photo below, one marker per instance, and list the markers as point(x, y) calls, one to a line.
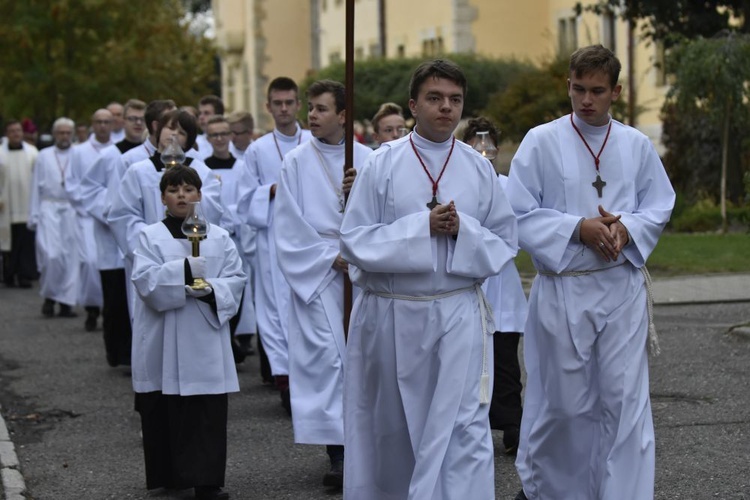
point(426, 223)
point(309, 210)
point(228, 169)
point(592, 198)
point(137, 200)
point(183, 366)
point(84, 156)
point(53, 217)
point(509, 306)
point(94, 198)
point(257, 192)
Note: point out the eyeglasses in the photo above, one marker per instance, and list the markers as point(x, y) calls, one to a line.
point(240, 132)
point(217, 135)
point(135, 119)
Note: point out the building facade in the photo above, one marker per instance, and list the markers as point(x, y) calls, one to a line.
point(262, 39)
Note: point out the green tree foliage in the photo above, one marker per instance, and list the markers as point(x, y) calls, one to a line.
point(379, 80)
point(712, 79)
point(535, 96)
point(669, 21)
point(70, 57)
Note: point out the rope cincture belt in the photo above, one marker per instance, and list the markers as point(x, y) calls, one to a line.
point(652, 342)
point(486, 316)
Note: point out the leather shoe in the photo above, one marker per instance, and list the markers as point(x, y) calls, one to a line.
point(90, 324)
point(210, 493)
point(66, 312)
point(48, 308)
point(521, 496)
point(335, 477)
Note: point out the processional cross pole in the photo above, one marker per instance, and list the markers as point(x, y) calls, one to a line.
point(349, 138)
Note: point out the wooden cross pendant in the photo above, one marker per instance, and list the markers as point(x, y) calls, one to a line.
point(599, 185)
point(433, 203)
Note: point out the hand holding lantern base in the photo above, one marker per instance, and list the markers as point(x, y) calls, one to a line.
point(195, 227)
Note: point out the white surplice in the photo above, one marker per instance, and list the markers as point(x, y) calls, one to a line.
point(307, 221)
point(180, 345)
point(587, 429)
point(418, 346)
point(94, 198)
point(83, 157)
point(242, 235)
point(255, 208)
point(54, 218)
point(136, 203)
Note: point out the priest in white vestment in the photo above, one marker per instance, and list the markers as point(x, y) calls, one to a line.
point(83, 156)
point(255, 207)
point(426, 223)
point(308, 213)
point(53, 217)
point(592, 197)
point(116, 326)
point(228, 169)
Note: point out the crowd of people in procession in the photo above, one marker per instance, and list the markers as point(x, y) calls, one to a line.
point(424, 230)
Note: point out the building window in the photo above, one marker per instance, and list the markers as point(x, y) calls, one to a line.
point(567, 35)
point(401, 51)
point(359, 53)
point(334, 57)
point(432, 47)
point(375, 50)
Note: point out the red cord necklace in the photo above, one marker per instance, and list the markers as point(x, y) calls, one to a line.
point(598, 183)
point(433, 203)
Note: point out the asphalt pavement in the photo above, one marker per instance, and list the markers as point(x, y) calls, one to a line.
point(68, 429)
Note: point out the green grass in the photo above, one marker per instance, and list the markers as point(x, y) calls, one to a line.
point(682, 253)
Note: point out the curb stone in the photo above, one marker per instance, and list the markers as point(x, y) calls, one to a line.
point(13, 483)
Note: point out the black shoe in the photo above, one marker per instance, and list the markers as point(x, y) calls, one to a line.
point(66, 312)
point(510, 440)
point(48, 308)
point(246, 344)
point(286, 401)
point(334, 478)
point(521, 496)
point(90, 324)
point(210, 493)
point(237, 352)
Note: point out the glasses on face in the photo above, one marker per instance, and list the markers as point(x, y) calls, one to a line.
point(239, 132)
point(135, 119)
point(219, 135)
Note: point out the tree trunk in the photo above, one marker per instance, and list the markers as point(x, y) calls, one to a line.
point(724, 160)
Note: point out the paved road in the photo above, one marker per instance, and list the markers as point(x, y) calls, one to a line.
point(76, 436)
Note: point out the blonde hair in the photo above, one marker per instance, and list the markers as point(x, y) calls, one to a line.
point(386, 109)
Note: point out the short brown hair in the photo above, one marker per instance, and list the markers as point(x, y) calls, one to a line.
point(480, 124)
point(438, 68)
point(213, 100)
point(595, 59)
point(335, 88)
